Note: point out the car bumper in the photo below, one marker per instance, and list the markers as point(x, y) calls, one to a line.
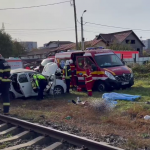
point(115, 84)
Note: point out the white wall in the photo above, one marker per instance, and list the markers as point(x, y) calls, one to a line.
point(139, 60)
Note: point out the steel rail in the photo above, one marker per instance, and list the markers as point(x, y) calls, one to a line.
point(70, 138)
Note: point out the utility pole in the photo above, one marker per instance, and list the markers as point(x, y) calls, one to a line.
point(75, 20)
point(82, 37)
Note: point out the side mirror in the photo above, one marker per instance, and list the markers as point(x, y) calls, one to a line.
point(94, 68)
point(123, 62)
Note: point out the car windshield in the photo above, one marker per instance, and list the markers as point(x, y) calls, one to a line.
point(45, 61)
point(104, 61)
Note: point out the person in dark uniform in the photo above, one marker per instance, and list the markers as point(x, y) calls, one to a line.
point(67, 75)
point(40, 82)
point(5, 84)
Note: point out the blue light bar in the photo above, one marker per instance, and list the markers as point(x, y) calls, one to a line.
point(94, 48)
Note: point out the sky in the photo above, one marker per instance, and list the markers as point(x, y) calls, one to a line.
point(56, 22)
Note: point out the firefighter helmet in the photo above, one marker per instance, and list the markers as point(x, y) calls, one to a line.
point(71, 61)
point(67, 62)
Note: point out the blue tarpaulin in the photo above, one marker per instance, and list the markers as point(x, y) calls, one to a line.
point(117, 96)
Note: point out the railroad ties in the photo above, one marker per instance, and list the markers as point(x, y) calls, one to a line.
point(19, 134)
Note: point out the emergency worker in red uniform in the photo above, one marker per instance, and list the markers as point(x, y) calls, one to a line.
point(73, 82)
point(88, 78)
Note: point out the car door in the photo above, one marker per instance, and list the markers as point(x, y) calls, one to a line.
point(25, 84)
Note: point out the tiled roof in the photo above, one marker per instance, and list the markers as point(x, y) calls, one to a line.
point(73, 45)
point(59, 42)
point(39, 52)
point(64, 47)
point(120, 36)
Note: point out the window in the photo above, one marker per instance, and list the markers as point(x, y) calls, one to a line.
point(23, 78)
point(130, 41)
point(85, 61)
point(104, 61)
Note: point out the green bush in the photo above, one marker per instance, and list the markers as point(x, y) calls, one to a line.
point(141, 71)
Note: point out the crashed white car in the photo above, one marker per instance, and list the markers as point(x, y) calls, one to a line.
point(21, 84)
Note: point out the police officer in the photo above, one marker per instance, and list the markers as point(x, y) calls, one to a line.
point(41, 83)
point(5, 84)
point(67, 74)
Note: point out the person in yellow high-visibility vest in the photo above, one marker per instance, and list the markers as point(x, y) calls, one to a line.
point(40, 82)
point(67, 75)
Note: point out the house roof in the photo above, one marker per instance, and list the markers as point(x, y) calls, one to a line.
point(73, 45)
point(62, 48)
point(119, 36)
point(40, 51)
point(59, 42)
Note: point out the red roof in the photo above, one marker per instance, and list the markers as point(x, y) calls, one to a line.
point(73, 45)
point(122, 36)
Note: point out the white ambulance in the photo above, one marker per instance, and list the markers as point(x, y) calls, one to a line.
point(15, 63)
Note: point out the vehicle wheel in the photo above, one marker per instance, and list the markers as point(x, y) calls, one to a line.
point(11, 95)
point(58, 90)
point(101, 87)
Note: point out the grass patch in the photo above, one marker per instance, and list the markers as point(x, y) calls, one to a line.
point(126, 120)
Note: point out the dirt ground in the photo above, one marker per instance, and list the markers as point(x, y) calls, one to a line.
point(124, 126)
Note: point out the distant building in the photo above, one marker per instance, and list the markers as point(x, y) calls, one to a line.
point(45, 52)
point(55, 44)
point(147, 44)
point(29, 45)
point(123, 38)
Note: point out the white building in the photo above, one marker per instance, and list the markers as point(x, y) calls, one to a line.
point(147, 44)
point(29, 45)
point(55, 44)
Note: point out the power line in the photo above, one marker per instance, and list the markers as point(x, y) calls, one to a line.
point(39, 29)
point(116, 26)
point(35, 6)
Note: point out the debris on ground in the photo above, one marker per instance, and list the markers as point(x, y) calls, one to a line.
point(68, 117)
point(147, 117)
point(102, 105)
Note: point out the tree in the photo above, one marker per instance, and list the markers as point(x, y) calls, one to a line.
point(6, 45)
point(18, 49)
point(118, 46)
point(9, 48)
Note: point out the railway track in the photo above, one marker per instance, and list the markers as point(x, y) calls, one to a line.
point(26, 135)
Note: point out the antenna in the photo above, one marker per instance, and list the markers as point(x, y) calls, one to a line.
point(3, 27)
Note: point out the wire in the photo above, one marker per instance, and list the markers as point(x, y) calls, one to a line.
point(116, 26)
point(35, 6)
point(38, 29)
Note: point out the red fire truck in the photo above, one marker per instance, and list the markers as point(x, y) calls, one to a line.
point(108, 70)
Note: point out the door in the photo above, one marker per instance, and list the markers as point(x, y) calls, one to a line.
point(25, 84)
point(80, 62)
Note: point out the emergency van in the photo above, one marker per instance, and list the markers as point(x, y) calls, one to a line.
point(15, 63)
point(107, 69)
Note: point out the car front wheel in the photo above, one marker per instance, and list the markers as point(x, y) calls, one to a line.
point(101, 87)
point(58, 90)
